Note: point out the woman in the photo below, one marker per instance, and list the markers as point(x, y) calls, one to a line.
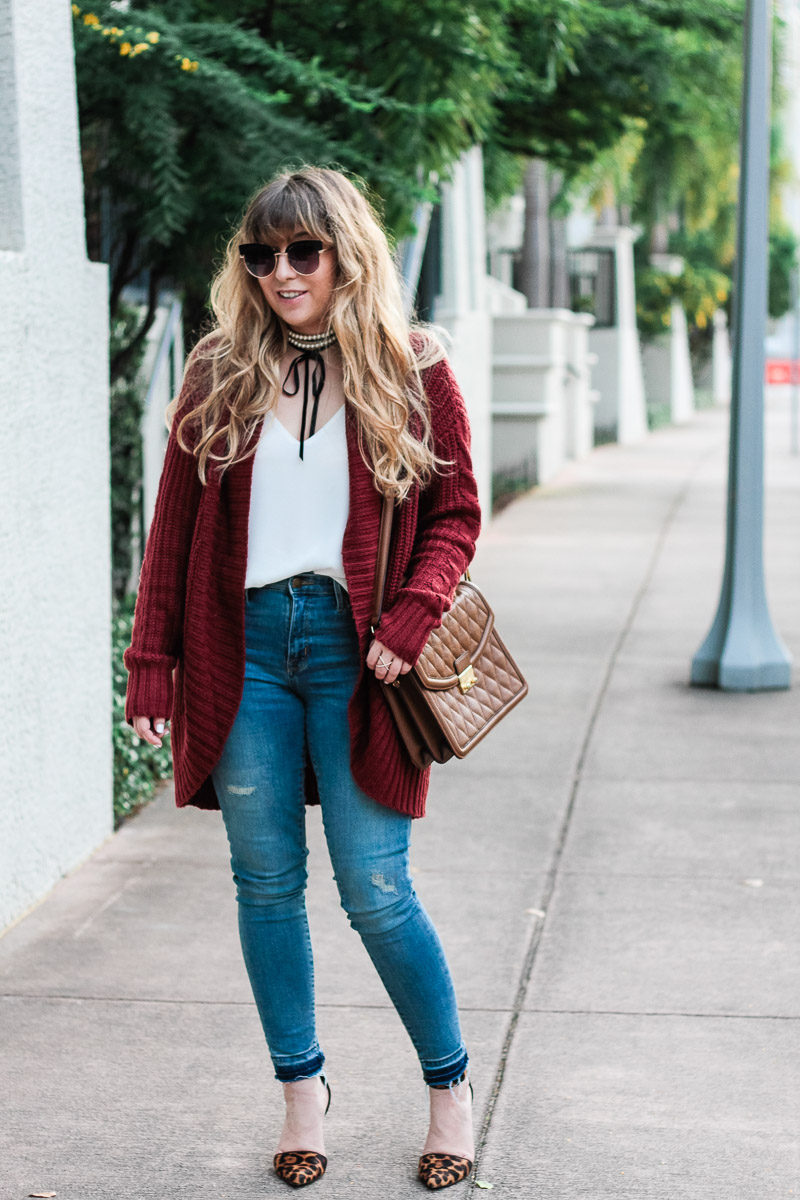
point(309, 401)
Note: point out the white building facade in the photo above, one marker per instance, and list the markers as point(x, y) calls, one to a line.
point(55, 685)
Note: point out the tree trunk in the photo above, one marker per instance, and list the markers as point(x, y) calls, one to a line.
point(559, 269)
point(608, 218)
point(534, 273)
point(659, 237)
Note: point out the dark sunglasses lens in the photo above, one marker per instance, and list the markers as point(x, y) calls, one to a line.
point(304, 257)
point(259, 260)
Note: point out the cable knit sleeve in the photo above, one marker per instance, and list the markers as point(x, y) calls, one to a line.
point(447, 529)
point(158, 617)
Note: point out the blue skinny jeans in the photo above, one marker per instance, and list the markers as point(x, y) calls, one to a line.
point(302, 663)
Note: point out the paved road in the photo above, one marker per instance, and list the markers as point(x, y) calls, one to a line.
point(614, 874)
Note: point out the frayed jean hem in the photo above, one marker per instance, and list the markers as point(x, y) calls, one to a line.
point(446, 1076)
point(291, 1072)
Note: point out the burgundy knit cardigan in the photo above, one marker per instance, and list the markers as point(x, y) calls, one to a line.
point(186, 660)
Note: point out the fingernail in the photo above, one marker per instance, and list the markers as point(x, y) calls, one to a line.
point(160, 727)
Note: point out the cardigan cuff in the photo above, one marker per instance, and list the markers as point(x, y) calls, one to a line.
point(150, 691)
point(406, 626)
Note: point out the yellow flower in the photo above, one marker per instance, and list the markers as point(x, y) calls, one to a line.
point(76, 12)
point(91, 19)
point(700, 319)
point(188, 65)
point(139, 47)
point(666, 318)
point(722, 295)
point(125, 48)
point(153, 37)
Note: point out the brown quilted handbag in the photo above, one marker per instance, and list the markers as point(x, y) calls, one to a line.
point(463, 683)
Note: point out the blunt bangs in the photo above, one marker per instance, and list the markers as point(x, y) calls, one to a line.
point(289, 204)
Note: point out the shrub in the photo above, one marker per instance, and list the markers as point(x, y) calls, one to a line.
point(701, 290)
point(138, 766)
point(125, 419)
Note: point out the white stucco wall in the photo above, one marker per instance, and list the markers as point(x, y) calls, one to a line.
point(618, 374)
point(55, 689)
point(542, 402)
point(668, 368)
point(470, 355)
point(462, 308)
point(782, 334)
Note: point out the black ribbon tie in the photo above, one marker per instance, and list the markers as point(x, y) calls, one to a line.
point(314, 377)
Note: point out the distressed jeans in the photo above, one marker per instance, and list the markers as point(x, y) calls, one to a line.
point(302, 663)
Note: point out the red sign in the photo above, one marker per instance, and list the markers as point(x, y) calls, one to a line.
point(783, 370)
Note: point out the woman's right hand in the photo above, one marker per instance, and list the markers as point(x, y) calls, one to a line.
point(150, 729)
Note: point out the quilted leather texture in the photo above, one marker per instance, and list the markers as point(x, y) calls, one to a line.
point(466, 717)
point(464, 630)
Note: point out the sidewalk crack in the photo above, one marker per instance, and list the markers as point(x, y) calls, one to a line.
point(566, 821)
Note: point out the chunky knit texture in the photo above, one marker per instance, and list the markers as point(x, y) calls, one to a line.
point(186, 660)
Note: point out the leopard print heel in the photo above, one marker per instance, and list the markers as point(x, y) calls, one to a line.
point(440, 1170)
point(300, 1167)
point(443, 1170)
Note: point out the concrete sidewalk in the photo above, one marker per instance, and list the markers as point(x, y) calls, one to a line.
point(614, 874)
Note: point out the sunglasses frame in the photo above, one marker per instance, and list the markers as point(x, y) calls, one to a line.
point(315, 242)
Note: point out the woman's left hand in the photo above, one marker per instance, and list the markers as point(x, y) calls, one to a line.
point(386, 665)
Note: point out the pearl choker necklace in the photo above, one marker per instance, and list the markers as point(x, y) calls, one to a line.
point(310, 341)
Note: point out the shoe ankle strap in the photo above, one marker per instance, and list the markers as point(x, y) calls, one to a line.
point(452, 1083)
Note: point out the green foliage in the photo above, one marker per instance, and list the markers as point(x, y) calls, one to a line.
point(673, 159)
point(125, 413)
point(692, 133)
point(186, 109)
point(509, 485)
point(503, 174)
point(676, 164)
point(700, 289)
point(638, 105)
point(658, 415)
point(655, 292)
point(442, 57)
point(579, 71)
point(783, 247)
point(212, 97)
point(138, 766)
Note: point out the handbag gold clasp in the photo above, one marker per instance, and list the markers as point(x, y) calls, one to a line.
point(467, 678)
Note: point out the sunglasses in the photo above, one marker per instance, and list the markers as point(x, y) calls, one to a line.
point(261, 260)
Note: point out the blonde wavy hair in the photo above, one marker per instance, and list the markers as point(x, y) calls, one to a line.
point(381, 366)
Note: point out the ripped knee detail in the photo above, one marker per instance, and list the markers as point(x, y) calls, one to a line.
point(376, 901)
point(233, 790)
point(387, 886)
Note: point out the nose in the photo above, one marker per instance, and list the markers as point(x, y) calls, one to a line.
point(283, 270)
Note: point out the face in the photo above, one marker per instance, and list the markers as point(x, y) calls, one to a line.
point(302, 301)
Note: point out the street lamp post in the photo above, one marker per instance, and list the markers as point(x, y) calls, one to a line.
point(794, 370)
point(742, 651)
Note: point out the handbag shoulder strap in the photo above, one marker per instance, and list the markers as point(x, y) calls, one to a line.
point(382, 562)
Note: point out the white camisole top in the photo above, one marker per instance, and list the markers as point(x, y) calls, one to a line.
point(298, 506)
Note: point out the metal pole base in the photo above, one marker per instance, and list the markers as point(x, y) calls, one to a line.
point(742, 652)
point(743, 656)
